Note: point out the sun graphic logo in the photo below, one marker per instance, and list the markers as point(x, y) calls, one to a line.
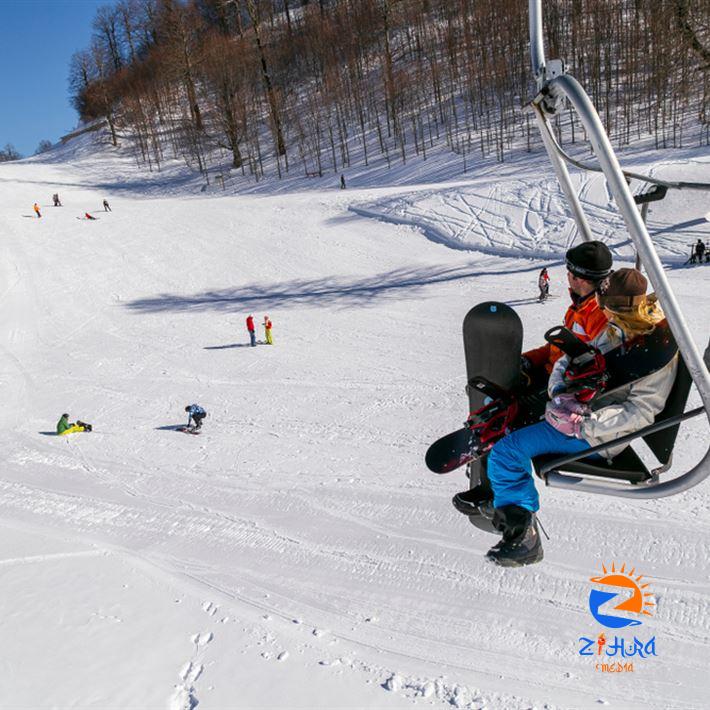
point(638, 604)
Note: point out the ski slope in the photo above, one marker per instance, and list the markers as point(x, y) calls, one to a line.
point(297, 554)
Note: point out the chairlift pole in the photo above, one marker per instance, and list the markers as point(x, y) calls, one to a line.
point(555, 85)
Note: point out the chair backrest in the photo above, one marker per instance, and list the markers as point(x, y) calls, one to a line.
point(662, 442)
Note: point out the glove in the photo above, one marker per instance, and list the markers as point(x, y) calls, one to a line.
point(566, 414)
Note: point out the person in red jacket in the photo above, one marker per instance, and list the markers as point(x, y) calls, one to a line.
point(588, 264)
point(252, 332)
point(543, 283)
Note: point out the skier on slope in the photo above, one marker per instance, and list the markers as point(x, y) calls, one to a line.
point(195, 414)
point(572, 425)
point(250, 328)
point(106, 206)
point(699, 251)
point(588, 264)
point(267, 330)
point(35, 207)
point(543, 283)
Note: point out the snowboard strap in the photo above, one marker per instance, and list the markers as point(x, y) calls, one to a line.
point(492, 422)
point(590, 372)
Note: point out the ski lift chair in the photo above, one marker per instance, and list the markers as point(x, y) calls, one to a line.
point(555, 86)
point(627, 466)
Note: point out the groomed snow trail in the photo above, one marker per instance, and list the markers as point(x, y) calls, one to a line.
point(300, 531)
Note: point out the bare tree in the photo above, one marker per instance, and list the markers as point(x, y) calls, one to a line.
point(9, 153)
point(43, 146)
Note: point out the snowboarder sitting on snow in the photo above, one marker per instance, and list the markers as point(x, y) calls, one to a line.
point(88, 216)
point(195, 414)
point(64, 426)
point(572, 426)
point(588, 264)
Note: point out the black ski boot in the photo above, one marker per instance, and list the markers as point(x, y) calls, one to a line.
point(475, 501)
point(521, 544)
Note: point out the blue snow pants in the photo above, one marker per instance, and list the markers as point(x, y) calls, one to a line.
point(510, 466)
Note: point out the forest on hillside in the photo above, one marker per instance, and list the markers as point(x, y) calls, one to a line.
point(298, 85)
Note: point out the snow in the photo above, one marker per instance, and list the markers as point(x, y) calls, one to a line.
point(297, 554)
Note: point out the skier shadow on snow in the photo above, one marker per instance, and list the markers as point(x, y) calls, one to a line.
point(227, 347)
point(529, 301)
point(325, 291)
point(170, 427)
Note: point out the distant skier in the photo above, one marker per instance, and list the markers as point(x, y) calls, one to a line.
point(64, 426)
point(699, 251)
point(342, 181)
point(252, 332)
point(267, 330)
point(106, 206)
point(88, 216)
point(56, 200)
point(572, 426)
point(195, 414)
point(543, 283)
point(588, 264)
point(35, 207)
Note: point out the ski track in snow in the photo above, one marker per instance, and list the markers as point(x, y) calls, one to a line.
point(302, 517)
point(482, 217)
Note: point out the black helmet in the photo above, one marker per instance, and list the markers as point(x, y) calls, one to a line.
point(589, 260)
point(187, 409)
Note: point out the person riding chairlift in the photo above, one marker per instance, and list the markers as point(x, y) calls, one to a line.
point(572, 425)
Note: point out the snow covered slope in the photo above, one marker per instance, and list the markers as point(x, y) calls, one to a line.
point(297, 553)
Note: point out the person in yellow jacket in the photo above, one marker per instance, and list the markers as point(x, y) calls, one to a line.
point(35, 207)
point(267, 331)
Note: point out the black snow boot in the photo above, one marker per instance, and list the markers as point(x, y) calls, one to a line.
point(475, 501)
point(521, 544)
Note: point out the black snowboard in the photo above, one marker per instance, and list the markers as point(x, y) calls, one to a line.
point(492, 340)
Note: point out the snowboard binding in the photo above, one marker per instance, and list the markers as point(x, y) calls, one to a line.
point(492, 422)
point(586, 376)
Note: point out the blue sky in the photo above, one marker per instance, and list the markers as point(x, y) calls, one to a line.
point(37, 39)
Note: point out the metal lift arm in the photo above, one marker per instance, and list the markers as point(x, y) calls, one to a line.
point(555, 85)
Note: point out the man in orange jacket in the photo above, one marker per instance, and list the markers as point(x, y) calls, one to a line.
point(588, 264)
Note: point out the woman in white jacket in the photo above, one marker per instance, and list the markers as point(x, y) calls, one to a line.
point(573, 426)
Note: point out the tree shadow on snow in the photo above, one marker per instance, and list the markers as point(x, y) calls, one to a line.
point(328, 291)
